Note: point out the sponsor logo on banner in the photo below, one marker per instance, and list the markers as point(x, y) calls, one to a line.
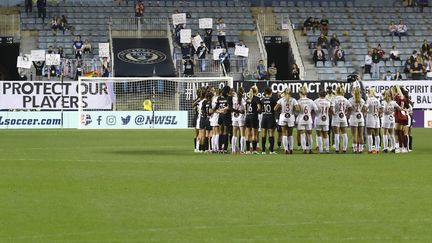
point(33, 120)
point(141, 56)
point(85, 119)
point(54, 95)
point(419, 91)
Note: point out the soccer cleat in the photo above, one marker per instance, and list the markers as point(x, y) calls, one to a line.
point(310, 151)
point(344, 151)
point(263, 153)
point(248, 152)
point(305, 151)
point(286, 152)
point(337, 151)
point(397, 151)
point(385, 150)
point(255, 152)
point(273, 153)
point(291, 152)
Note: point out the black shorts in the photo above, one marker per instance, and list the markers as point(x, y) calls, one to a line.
point(194, 120)
point(225, 120)
point(252, 121)
point(205, 124)
point(268, 122)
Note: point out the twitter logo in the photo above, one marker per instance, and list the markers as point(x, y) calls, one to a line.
point(125, 120)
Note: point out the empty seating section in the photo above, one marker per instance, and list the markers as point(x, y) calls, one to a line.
point(90, 18)
point(359, 27)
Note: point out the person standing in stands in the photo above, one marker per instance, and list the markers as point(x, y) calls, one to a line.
point(261, 72)
point(208, 38)
point(139, 9)
point(221, 33)
point(375, 63)
point(324, 25)
point(272, 71)
point(295, 72)
point(105, 67)
point(78, 47)
point(201, 52)
point(39, 68)
point(224, 59)
point(41, 6)
point(368, 62)
point(28, 6)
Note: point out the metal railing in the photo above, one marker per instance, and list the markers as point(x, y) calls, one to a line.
point(140, 26)
point(261, 45)
point(10, 25)
point(237, 65)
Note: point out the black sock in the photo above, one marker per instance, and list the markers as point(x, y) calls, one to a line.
point(410, 142)
point(271, 140)
point(221, 141)
point(263, 143)
point(201, 147)
point(226, 142)
point(247, 145)
point(206, 143)
point(195, 142)
point(279, 143)
point(254, 145)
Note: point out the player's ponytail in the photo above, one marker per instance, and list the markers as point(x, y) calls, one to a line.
point(252, 91)
point(304, 90)
point(340, 91)
point(287, 94)
point(357, 95)
point(387, 95)
point(240, 93)
point(371, 92)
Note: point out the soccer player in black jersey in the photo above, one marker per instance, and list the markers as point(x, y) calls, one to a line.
point(224, 107)
point(253, 107)
point(204, 126)
point(268, 122)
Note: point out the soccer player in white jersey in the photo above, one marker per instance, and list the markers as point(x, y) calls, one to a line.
point(238, 121)
point(338, 108)
point(200, 137)
point(214, 122)
point(356, 120)
point(322, 122)
point(372, 121)
point(287, 106)
point(304, 120)
point(388, 121)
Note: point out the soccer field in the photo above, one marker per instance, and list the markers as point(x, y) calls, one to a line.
point(148, 185)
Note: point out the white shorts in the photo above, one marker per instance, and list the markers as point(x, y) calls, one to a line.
point(214, 120)
point(239, 121)
point(306, 127)
point(357, 123)
point(286, 121)
point(372, 122)
point(324, 128)
point(388, 122)
point(339, 123)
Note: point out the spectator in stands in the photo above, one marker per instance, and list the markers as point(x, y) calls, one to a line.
point(188, 67)
point(50, 50)
point(397, 76)
point(413, 56)
point(381, 52)
point(409, 3)
point(402, 30)
point(60, 52)
point(78, 47)
point(394, 54)
point(208, 38)
point(87, 47)
point(393, 29)
point(324, 25)
point(334, 41)
point(139, 9)
point(425, 47)
point(105, 67)
point(407, 65)
point(316, 25)
point(322, 41)
point(319, 55)
point(41, 6)
point(388, 76)
point(272, 71)
point(221, 26)
point(375, 63)
point(368, 62)
point(39, 66)
point(295, 72)
point(307, 25)
point(201, 52)
point(224, 59)
point(421, 4)
point(417, 72)
point(79, 70)
point(177, 30)
point(64, 24)
point(28, 6)
point(427, 63)
point(261, 72)
point(55, 24)
point(186, 50)
point(338, 55)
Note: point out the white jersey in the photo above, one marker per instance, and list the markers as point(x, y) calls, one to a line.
point(306, 107)
point(357, 114)
point(388, 119)
point(214, 119)
point(322, 115)
point(340, 106)
point(287, 107)
point(240, 106)
point(373, 107)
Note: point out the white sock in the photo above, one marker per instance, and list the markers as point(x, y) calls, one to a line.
point(310, 139)
point(303, 141)
point(198, 140)
point(370, 141)
point(319, 141)
point(336, 141)
point(242, 144)
point(233, 144)
point(316, 140)
point(385, 141)
point(291, 143)
point(285, 142)
point(392, 141)
point(216, 142)
point(344, 142)
point(377, 142)
point(327, 144)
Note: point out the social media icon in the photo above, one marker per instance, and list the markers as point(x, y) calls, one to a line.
point(111, 120)
point(125, 120)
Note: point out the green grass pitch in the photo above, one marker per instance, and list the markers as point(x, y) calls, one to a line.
point(148, 186)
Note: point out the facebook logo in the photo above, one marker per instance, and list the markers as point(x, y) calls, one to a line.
point(99, 120)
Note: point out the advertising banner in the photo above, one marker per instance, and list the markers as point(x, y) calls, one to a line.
point(54, 95)
point(38, 119)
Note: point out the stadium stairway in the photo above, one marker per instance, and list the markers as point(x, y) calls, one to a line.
point(306, 55)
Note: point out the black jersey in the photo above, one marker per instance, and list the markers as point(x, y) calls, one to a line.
point(223, 102)
point(205, 108)
point(252, 105)
point(268, 104)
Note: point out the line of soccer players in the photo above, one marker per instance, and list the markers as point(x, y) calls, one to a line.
point(225, 116)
